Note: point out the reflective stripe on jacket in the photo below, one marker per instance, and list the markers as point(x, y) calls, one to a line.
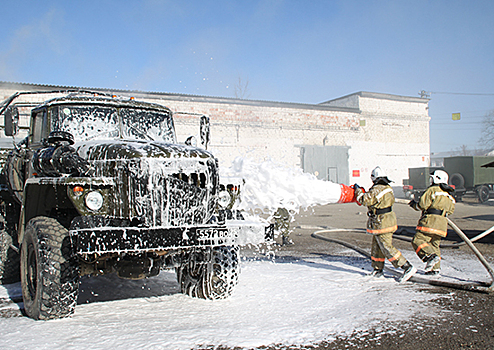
point(435, 198)
point(378, 197)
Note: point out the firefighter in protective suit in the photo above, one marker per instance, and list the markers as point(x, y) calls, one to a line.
point(381, 223)
point(435, 203)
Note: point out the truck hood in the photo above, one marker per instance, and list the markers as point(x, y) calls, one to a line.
point(131, 149)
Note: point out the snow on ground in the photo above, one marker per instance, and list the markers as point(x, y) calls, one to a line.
point(302, 301)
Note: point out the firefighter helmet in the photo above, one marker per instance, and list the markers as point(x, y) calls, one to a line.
point(439, 177)
point(377, 173)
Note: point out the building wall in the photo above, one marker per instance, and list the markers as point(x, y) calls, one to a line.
point(397, 134)
point(380, 129)
point(263, 133)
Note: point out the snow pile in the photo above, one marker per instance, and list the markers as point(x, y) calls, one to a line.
point(269, 186)
point(290, 303)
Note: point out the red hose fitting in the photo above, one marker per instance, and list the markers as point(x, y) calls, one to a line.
point(347, 194)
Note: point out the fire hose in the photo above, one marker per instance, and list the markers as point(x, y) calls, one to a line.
point(453, 226)
point(452, 245)
point(348, 195)
point(474, 286)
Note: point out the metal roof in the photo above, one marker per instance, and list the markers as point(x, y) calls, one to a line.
point(165, 96)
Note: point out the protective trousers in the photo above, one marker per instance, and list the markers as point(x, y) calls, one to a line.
point(382, 249)
point(426, 244)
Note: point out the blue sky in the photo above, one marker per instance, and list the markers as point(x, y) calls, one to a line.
point(292, 51)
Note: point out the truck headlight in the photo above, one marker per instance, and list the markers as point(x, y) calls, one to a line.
point(224, 199)
point(94, 200)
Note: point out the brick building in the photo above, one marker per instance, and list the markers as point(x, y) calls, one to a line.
point(340, 140)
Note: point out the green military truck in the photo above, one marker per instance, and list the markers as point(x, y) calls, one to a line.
point(100, 185)
point(466, 175)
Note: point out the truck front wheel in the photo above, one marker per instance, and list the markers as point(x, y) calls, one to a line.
point(49, 270)
point(210, 273)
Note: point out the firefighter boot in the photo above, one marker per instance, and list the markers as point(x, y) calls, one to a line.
point(433, 273)
point(377, 273)
point(430, 261)
point(408, 273)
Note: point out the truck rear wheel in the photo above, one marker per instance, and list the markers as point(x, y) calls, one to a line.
point(483, 193)
point(9, 257)
point(211, 273)
point(49, 270)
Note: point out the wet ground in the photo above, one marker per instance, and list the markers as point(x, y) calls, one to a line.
point(467, 318)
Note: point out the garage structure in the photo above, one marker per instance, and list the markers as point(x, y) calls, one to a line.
point(339, 140)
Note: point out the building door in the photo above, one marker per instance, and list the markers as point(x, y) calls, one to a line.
point(329, 163)
point(332, 174)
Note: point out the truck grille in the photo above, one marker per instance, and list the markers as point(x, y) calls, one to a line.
point(163, 193)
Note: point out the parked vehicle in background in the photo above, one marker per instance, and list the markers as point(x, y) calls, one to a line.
point(466, 175)
point(418, 181)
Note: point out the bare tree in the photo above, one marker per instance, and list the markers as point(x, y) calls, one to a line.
point(463, 151)
point(487, 133)
point(242, 88)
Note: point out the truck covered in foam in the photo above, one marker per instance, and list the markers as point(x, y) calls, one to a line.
point(100, 185)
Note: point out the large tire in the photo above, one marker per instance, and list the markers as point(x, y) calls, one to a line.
point(457, 180)
point(210, 273)
point(9, 257)
point(49, 270)
point(483, 193)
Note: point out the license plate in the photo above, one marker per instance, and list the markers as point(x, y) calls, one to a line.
point(213, 234)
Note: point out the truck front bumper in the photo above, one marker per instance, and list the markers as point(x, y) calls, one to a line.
point(135, 239)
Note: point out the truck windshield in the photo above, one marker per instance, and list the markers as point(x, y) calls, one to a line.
point(103, 122)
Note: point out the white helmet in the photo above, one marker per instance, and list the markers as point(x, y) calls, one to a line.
point(439, 177)
point(377, 173)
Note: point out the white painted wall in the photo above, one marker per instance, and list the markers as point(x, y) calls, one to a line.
point(381, 129)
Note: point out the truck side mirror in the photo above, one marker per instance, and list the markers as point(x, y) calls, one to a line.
point(205, 131)
point(191, 141)
point(11, 121)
